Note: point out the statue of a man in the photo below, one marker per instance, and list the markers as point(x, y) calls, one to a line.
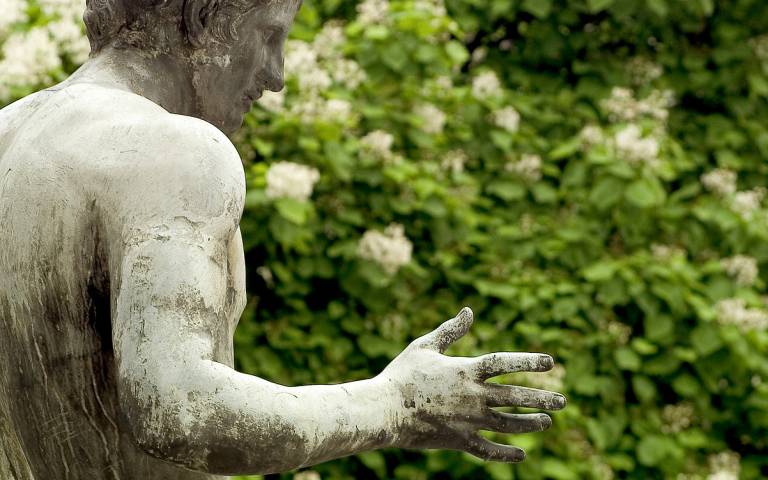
point(122, 276)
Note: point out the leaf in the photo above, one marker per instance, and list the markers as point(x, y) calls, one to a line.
point(506, 190)
point(606, 192)
point(627, 359)
point(293, 210)
point(457, 51)
point(595, 6)
point(645, 193)
point(706, 339)
point(539, 8)
point(652, 449)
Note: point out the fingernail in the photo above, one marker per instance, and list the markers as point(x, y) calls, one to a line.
point(547, 362)
point(560, 401)
point(546, 421)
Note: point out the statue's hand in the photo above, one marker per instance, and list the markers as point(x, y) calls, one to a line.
point(445, 400)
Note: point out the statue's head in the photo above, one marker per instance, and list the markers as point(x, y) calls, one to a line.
point(232, 48)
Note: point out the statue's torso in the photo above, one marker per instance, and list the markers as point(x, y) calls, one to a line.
point(59, 416)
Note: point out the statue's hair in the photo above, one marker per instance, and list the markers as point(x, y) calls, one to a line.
point(158, 25)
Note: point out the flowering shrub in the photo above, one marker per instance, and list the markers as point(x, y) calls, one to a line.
point(589, 176)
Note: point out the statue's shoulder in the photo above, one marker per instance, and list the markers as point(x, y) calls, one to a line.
point(131, 151)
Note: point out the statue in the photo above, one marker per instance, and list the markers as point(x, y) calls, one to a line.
point(122, 276)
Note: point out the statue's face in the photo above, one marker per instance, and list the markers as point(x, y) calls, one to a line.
point(228, 78)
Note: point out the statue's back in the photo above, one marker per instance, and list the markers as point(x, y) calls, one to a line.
point(59, 415)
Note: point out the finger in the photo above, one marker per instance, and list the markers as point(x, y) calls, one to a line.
point(515, 422)
point(443, 336)
point(514, 396)
point(492, 364)
point(493, 452)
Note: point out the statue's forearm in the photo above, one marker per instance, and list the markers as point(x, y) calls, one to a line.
point(221, 421)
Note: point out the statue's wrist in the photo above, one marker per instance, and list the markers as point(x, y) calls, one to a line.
point(394, 414)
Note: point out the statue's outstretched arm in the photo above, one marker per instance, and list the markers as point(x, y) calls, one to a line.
point(181, 405)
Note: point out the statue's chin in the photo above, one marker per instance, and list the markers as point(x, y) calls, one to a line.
point(228, 124)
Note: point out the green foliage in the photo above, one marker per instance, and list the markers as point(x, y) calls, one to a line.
point(609, 264)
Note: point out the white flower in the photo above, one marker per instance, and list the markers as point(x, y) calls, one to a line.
point(63, 8)
point(725, 465)
point(720, 181)
point(329, 40)
point(13, 11)
point(71, 39)
point(486, 85)
point(507, 118)
point(636, 149)
point(338, 110)
point(435, 8)
point(370, 12)
point(742, 268)
point(307, 475)
point(434, 118)
point(266, 274)
point(390, 249)
point(378, 142)
point(454, 161)
point(622, 332)
point(666, 252)
point(733, 311)
point(592, 135)
point(643, 71)
point(677, 417)
point(291, 180)
point(347, 72)
point(623, 106)
point(528, 167)
point(301, 63)
point(745, 203)
point(273, 101)
point(29, 58)
point(444, 82)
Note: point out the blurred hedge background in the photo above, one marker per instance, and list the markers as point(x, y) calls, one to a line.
point(587, 175)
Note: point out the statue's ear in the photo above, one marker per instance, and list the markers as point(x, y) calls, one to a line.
point(196, 15)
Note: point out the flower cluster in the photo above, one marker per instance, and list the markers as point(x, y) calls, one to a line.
point(316, 66)
point(507, 118)
point(747, 202)
point(635, 148)
point(33, 57)
point(486, 85)
point(371, 12)
point(14, 11)
point(725, 465)
point(622, 106)
point(742, 268)
point(307, 475)
point(454, 161)
point(643, 71)
point(291, 180)
point(433, 118)
point(720, 181)
point(378, 143)
point(677, 417)
point(666, 252)
point(390, 249)
point(733, 311)
point(528, 167)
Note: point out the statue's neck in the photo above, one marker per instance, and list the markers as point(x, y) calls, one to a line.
point(164, 79)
